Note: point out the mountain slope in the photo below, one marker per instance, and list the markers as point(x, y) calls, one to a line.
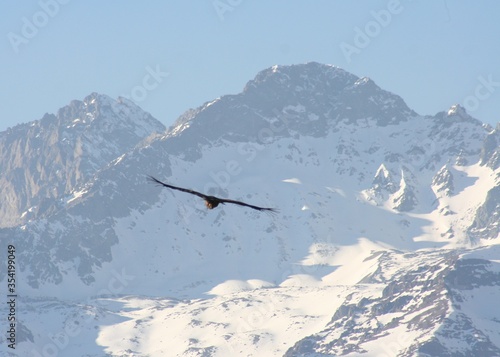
point(429, 306)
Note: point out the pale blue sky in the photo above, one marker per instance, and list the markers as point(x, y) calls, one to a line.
point(173, 55)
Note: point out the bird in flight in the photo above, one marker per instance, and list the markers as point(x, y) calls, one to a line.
point(210, 201)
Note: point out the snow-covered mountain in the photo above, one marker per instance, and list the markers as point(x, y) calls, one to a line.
point(386, 240)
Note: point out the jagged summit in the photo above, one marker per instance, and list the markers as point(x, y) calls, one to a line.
point(110, 114)
point(349, 96)
point(312, 98)
point(443, 181)
point(458, 110)
point(302, 77)
point(383, 180)
point(456, 114)
point(45, 159)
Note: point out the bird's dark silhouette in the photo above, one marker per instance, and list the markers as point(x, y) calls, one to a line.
point(210, 201)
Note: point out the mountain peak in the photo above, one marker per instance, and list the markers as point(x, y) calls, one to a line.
point(312, 98)
point(58, 152)
point(456, 114)
point(443, 181)
point(383, 180)
point(304, 75)
point(457, 110)
point(94, 96)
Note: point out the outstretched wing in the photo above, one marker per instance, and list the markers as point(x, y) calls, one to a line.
point(158, 182)
point(273, 210)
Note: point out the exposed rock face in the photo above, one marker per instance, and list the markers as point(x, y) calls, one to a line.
point(45, 160)
point(490, 153)
point(487, 221)
point(443, 181)
point(422, 310)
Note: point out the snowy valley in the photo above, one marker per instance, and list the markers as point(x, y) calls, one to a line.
point(386, 242)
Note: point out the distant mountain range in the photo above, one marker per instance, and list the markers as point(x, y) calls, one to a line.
point(386, 242)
